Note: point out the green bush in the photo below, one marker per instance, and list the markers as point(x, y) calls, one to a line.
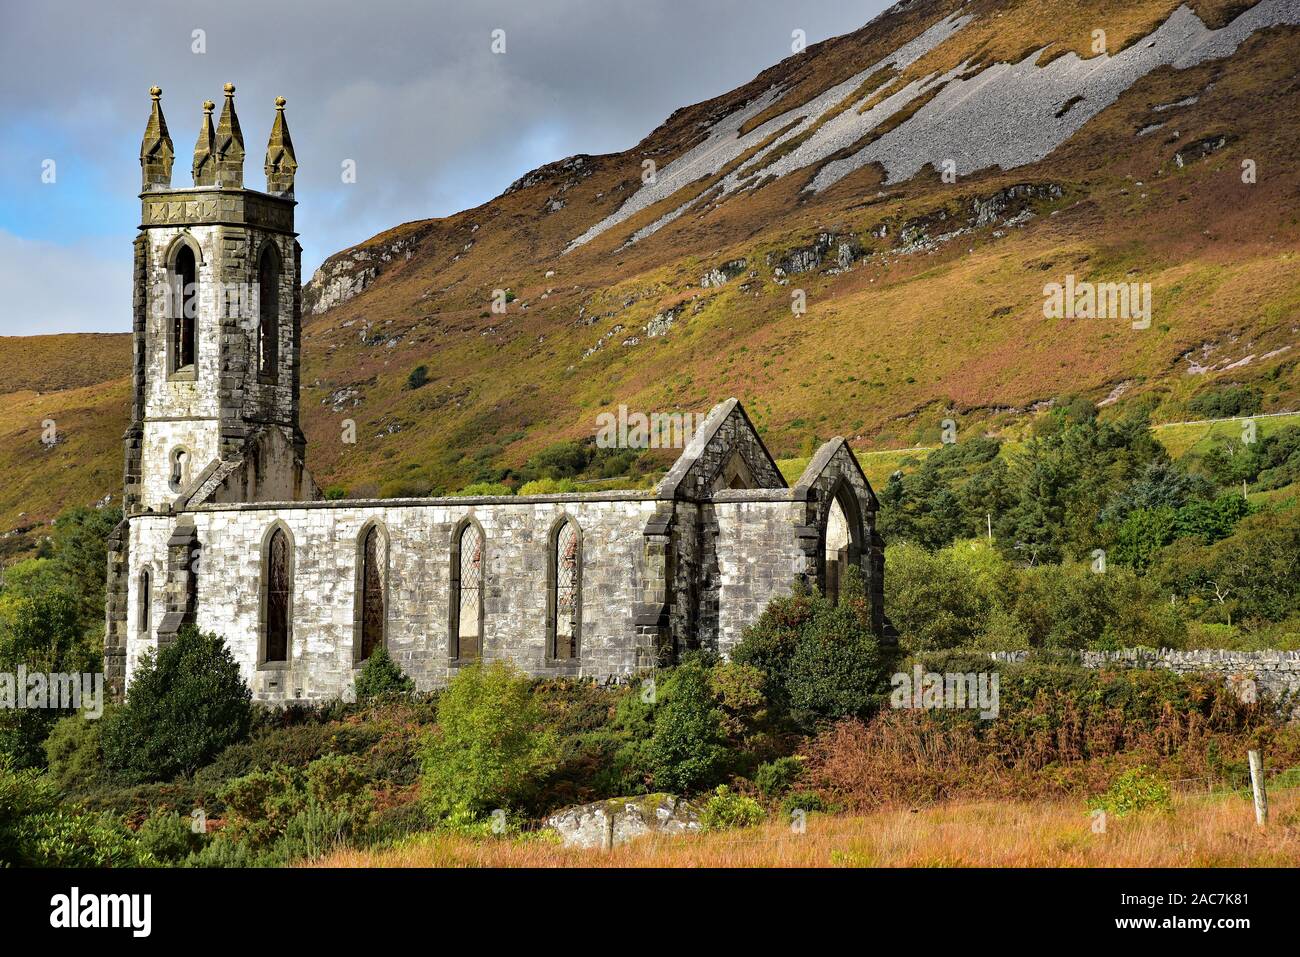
point(313, 832)
point(221, 851)
point(1226, 402)
point(380, 675)
point(1137, 789)
point(725, 810)
point(548, 486)
point(417, 377)
point(686, 749)
point(36, 832)
point(821, 659)
point(184, 706)
point(776, 777)
point(168, 837)
point(807, 801)
point(488, 749)
point(485, 489)
point(74, 753)
point(838, 669)
point(328, 798)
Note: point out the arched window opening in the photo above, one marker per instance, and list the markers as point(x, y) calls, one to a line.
point(268, 326)
point(837, 549)
point(276, 600)
point(467, 595)
point(185, 310)
point(372, 593)
point(176, 480)
point(144, 599)
point(565, 598)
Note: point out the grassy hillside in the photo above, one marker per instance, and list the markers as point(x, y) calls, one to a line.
point(933, 318)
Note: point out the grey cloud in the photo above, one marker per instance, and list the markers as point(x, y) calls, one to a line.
point(435, 122)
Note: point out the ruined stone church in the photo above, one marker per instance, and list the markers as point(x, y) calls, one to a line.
point(225, 529)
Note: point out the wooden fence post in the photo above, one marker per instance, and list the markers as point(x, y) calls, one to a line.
point(1257, 785)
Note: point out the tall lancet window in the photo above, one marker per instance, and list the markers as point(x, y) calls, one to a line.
point(565, 599)
point(185, 310)
point(467, 594)
point(372, 592)
point(144, 601)
point(837, 549)
point(268, 304)
point(277, 584)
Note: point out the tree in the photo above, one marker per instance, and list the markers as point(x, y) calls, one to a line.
point(489, 748)
point(43, 635)
point(185, 705)
point(80, 557)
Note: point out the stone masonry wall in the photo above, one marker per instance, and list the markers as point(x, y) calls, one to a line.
point(758, 559)
point(324, 539)
point(1275, 673)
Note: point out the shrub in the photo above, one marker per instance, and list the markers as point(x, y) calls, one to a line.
point(168, 837)
point(742, 703)
point(770, 642)
point(405, 488)
point(381, 676)
point(807, 801)
point(1137, 789)
point(488, 749)
point(314, 831)
point(726, 810)
point(221, 851)
point(548, 486)
point(941, 599)
point(185, 705)
point(74, 752)
point(292, 811)
point(775, 778)
point(838, 669)
point(821, 659)
point(485, 489)
point(36, 832)
point(1226, 402)
point(417, 377)
point(686, 749)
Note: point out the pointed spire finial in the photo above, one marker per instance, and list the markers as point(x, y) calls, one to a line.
point(205, 164)
point(229, 148)
point(281, 164)
point(156, 153)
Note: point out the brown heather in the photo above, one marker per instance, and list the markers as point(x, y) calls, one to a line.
point(1199, 831)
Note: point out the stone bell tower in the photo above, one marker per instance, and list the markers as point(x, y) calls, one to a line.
point(217, 320)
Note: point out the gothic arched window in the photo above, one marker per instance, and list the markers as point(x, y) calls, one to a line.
point(268, 326)
point(837, 549)
point(185, 310)
point(371, 593)
point(277, 587)
point(564, 581)
point(467, 577)
point(144, 599)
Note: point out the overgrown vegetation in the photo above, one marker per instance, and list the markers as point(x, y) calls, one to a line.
point(1099, 540)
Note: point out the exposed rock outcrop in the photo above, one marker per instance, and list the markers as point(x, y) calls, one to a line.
point(615, 822)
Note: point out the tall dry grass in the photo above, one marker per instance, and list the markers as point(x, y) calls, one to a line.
point(1200, 831)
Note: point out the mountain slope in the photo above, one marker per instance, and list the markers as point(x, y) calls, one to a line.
point(820, 181)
